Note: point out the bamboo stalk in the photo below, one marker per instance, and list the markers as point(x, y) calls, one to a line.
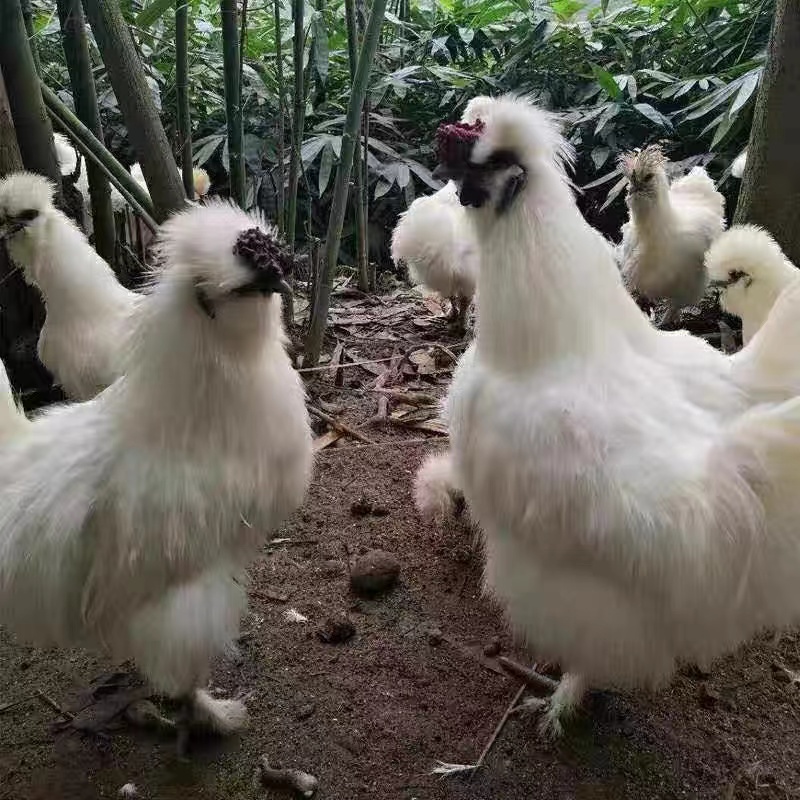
point(34, 132)
point(281, 119)
point(142, 119)
point(369, 46)
point(10, 158)
point(352, 50)
point(182, 92)
point(27, 15)
point(92, 148)
point(233, 108)
point(84, 93)
point(298, 116)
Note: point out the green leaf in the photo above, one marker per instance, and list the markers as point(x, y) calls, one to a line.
point(749, 84)
point(382, 188)
point(325, 168)
point(606, 81)
point(152, 12)
point(206, 150)
point(319, 46)
point(614, 192)
point(605, 179)
point(646, 110)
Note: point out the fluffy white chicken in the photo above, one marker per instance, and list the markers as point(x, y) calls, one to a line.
point(88, 312)
point(439, 248)
point(749, 268)
point(669, 230)
point(68, 161)
point(636, 494)
point(127, 522)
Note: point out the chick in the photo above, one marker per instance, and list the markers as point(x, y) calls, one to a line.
point(669, 231)
point(749, 268)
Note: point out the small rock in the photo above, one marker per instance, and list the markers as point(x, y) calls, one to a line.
point(361, 507)
point(435, 637)
point(336, 629)
point(332, 567)
point(305, 711)
point(380, 511)
point(375, 572)
point(493, 648)
point(707, 696)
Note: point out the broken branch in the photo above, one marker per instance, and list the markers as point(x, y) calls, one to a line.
point(339, 426)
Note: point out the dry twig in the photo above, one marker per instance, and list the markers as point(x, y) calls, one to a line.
point(530, 676)
point(335, 423)
point(48, 701)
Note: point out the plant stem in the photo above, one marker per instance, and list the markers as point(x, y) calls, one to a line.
point(281, 119)
point(10, 158)
point(182, 93)
point(358, 92)
point(93, 149)
point(233, 107)
point(34, 132)
point(361, 244)
point(298, 116)
point(84, 93)
point(128, 80)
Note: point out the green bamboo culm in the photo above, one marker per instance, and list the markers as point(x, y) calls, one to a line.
point(182, 92)
point(129, 82)
point(34, 132)
point(10, 158)
point(281, 119)
point(84, 93)
point(233, 108)
point(361, 221)
point(319, 319)
point(93, 150)
point(298, 120)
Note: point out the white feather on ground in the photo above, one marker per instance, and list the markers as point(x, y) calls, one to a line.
point(637, 499)
point(89, 312)
point(669, 230)
point(751, 270)
point(127, 522)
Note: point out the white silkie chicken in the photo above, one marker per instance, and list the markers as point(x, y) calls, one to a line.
point(638, 499)
point(88, 312)
point(127, 522)
point(670, 228)
point(433, 238)
point(749, 268)
point(68, 161)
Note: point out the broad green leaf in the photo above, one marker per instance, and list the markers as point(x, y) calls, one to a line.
point(325, 167)
point(606, 81)
point(646, 110)
point(382, 188)
point(749, 84)
point(207, 149)
point(319, 46)
point(613, 193)
point(605, 179)
point(152, 12)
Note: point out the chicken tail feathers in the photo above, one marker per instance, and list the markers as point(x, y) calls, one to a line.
point(12, 417)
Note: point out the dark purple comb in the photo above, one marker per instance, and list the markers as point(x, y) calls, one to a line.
point(263, 251)
point(454, 142)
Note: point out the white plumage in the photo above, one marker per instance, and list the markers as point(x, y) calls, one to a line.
point(433, 238)
point(636, 495)
point(435, 488)
point(126, 522)
point(751, 270)
point(89, 312)
point(670, 228)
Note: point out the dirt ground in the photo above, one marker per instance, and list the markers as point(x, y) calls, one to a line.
point(419, 682)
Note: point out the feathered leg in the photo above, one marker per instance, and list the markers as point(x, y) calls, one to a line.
point(463, 310)
point(559, 707)
point(452, 316)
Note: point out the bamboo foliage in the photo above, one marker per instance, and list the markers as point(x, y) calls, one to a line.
point(84, 93)
point(182, 94)
point(319, 319)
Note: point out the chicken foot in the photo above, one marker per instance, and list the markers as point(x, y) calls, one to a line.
point(557, 708)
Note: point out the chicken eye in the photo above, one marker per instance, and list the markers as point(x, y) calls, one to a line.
point(735, 275)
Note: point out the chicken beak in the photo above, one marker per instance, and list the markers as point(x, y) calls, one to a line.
point(10, 227)
point(718, 285)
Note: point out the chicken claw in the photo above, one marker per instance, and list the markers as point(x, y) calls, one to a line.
point(557, 708)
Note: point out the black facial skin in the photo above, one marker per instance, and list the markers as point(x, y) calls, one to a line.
point(734, 276)
point(472, 180)
point(16, 223)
